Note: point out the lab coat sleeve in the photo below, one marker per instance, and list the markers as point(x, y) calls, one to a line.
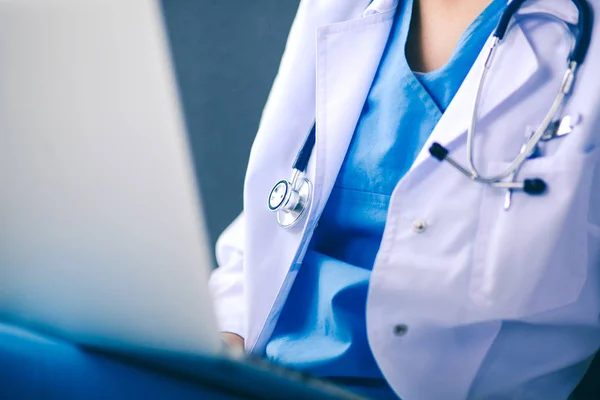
point(227, 281)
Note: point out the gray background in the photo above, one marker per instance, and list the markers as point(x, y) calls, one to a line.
point(226, 55)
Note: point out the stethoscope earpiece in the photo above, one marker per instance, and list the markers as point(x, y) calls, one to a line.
point(534, 186)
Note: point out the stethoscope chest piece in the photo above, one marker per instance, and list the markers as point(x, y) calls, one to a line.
point(289, 200)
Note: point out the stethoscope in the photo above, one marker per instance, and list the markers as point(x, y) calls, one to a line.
point(290, 199)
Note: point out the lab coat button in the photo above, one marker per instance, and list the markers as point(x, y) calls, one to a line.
point(419, 226)
point(400, 330)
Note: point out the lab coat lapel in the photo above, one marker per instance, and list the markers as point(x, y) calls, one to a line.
point(289, 113)
point(514, 64)
point(348, 55)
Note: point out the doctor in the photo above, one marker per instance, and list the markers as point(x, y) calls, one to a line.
point(402, 276)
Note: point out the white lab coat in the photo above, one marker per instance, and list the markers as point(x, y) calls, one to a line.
point(494, 303)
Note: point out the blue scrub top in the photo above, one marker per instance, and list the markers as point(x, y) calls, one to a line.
point(322, 328)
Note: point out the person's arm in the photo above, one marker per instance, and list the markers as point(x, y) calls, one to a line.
point(233, 340)
point(227, 284)
point(227, 281)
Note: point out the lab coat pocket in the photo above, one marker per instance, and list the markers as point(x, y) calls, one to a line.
point(533, 257)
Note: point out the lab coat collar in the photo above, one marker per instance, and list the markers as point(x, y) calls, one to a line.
point(380, 6)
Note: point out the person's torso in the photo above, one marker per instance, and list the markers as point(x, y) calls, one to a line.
point(322, 327)
point(453, 266)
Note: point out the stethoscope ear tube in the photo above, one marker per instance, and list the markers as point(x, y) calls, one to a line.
point(305, 152)
point(584, 31)
point(506, 16)
point(585, 24)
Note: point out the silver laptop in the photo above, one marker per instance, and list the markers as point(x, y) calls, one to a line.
point(102, 240)
point(101, 235)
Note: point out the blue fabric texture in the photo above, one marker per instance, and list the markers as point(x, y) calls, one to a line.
point(322, 327)
point(33, 366)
